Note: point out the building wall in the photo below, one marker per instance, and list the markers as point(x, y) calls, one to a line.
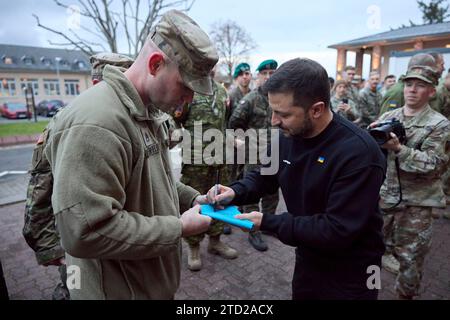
point(387, 68)
point(43, 82)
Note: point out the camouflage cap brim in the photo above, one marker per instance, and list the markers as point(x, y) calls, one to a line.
point(201, 85)
point(420, 77)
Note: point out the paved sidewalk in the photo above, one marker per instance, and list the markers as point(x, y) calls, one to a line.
point(15, 140)
point(253, 275)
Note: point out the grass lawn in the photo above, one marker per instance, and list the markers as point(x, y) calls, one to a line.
point(21, 129)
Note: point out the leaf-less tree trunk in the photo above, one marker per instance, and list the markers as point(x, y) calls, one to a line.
point(128, 20)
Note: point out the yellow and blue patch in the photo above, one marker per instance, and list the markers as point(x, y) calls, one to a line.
point(321, 160)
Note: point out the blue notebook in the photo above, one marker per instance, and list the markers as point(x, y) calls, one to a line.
point(226, 215)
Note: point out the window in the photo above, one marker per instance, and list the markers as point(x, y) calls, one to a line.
point(33, 83)
point(7, 87)
point(28, 60)
point(51, 87)
point(72, 87)
point(64, 63)
point(7, 60)
point(46, 61)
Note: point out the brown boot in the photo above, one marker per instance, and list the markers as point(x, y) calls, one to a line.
point(215, 246)
point(194, 260)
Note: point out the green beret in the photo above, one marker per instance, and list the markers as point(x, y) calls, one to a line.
point(242, 67)
point(268, 65)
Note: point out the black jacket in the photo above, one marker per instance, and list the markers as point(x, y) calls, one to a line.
point(331, 186)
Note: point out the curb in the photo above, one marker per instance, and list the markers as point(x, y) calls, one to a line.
point(15, 140)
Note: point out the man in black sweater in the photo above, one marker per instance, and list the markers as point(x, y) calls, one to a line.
point(330, 174)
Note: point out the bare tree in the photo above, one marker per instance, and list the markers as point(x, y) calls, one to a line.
point(110, 24)
point(233, 43)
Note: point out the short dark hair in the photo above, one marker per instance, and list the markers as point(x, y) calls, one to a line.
point(391, 76)
point(305, 78)
point(350, 68)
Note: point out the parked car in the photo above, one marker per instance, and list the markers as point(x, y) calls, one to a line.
point(48, 108)
point(12, 110)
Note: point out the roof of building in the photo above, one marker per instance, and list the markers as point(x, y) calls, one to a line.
point(24, 58)
point(403, 34)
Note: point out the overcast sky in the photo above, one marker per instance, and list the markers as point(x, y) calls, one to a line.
point(282, 29)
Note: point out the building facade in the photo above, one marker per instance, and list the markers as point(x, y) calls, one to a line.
point(53, 74)
point(389, 51)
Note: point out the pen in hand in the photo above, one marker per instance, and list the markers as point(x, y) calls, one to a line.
point(216, 191)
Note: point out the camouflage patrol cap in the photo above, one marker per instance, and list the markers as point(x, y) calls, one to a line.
point(422, 60)
point(183, 41)
point(425, 74)
point(100, 60)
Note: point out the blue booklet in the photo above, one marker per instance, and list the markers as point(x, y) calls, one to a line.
point(226, 215)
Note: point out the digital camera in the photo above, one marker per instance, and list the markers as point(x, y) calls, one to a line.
point(382, 132)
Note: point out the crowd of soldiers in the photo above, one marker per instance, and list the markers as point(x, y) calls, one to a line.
point(245, 106)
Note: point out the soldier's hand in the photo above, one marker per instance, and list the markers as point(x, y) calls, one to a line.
point(193, 222)
point(202, 199)
point(393, 144)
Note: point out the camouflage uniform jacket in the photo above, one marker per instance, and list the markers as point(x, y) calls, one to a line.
point(236, 96)
point(352, 115)
point(421, 160)
point(39, 229)
point(210, 112)
point(369, 106)
point(443, 96)
point(394, 99)
point(252, 112)
point(353, 93)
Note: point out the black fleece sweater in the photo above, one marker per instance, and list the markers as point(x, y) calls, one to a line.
point(331, 186)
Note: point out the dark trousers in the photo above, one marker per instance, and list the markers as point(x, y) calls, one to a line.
point(312, 283)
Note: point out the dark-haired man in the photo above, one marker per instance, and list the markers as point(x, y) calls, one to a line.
point(330, 175)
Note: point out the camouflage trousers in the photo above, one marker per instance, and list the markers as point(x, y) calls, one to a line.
point(407, 233)
point(61, 291)
point(202, 178)
point(269, 202)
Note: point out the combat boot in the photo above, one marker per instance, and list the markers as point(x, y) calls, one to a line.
point(390, 264)
point(194, 260)
point(216, 246)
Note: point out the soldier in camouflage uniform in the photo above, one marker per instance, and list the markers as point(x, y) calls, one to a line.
point(353, 85)
point(408, 225)
point(253, 112)
point(242, 77)
point(39, 229)
point(210, 112)
point(345, 108)
point(394, 99)
point(444, 96)
point(370, 101)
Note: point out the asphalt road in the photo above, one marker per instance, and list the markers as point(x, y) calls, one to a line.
point(16, 158)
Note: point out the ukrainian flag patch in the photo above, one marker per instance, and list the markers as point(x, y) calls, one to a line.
point(321, 160)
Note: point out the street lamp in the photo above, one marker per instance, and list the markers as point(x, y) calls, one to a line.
point(58, 60)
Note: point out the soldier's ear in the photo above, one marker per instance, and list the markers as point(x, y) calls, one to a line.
point(155, 63)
